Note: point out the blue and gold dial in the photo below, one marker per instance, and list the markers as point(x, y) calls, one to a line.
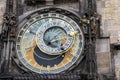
point(54, 37)
point(49, 43)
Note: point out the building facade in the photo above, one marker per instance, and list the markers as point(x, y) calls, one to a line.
point(107, 46)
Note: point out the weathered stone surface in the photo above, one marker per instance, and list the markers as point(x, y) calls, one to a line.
point(49, 2)
point(102, 45)
point(103, 55)
point(117, 64)
point(110, 9)
point(2, 10)
point(108, 4)
point(113, 39)
point(103, 59)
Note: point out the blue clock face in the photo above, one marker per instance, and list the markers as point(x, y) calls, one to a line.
point(49, 43)
point(55, 37)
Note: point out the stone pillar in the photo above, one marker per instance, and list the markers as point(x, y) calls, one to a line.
point(2, 10)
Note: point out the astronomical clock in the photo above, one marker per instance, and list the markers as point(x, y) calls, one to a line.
point(49, 42)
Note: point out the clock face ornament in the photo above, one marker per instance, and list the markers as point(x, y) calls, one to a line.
point(49, 43)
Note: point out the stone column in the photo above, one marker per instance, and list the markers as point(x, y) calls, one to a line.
point(2, 10)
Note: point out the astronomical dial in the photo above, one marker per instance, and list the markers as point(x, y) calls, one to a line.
point(49, 43)
point(55, 37)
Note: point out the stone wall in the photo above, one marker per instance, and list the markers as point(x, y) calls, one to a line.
point(110, 11)
point(103, 56)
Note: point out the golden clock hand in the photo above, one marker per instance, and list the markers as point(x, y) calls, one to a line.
point(73, 33)
point(30, 47)
point(58, 39)
point(56, 35)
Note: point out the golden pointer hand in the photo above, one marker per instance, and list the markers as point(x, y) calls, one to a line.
point(58, 39)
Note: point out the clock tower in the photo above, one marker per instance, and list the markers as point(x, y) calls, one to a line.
point(43, 40)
